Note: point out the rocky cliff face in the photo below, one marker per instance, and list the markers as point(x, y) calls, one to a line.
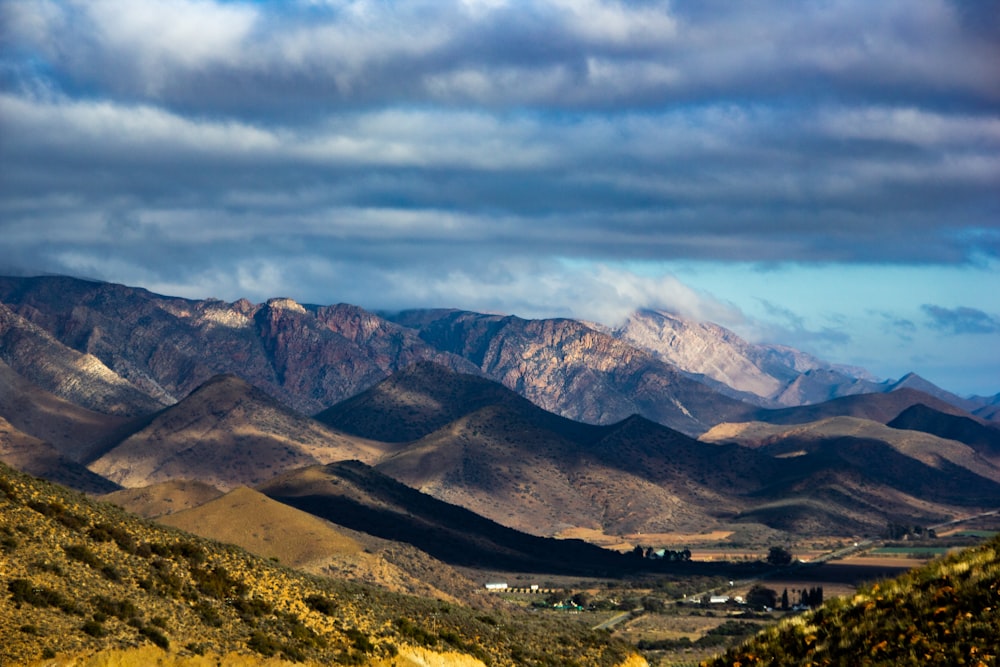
point(574, 370)
point(780, 375)
point(702, 348)
point(309, 359)
point(80, 378)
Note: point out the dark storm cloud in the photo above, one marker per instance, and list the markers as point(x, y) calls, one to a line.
point(962, 320)
point(255, 143)
point(305, 58)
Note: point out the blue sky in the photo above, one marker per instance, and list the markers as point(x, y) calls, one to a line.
point(820, 174)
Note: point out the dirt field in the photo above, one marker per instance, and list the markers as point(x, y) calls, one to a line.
point(628, 542)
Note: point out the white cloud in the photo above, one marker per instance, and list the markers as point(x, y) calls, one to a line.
point(912, 125)
point(166, 33)
point(618, 23)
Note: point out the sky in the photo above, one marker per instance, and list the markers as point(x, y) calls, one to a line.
point(823, 174)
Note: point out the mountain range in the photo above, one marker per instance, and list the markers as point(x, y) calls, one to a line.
point(384, 424)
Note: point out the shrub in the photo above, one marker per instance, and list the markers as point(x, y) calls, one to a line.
point(155, 636)
point(360, 641)
point(94, 629)
point(321, 604)
point(262, 643)
point(123, 610)
point(23, 590)
point(80, 552)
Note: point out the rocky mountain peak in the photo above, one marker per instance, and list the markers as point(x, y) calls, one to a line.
point(285, 303)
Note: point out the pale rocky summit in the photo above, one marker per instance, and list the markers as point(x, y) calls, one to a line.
point(772, 375)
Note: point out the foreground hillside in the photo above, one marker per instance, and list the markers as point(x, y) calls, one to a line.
point(945, 613)
point(80, 578)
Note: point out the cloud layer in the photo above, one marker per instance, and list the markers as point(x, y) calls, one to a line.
point(519, 156)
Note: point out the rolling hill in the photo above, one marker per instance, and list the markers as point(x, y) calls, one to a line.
point(486, 448)
point(859, 474)
point(157, 500)
point(983, 438)
point(532, 470)
point(283, 534)
point(356, 496)
point(39, 458)
point(881, 407)
point(226, 433)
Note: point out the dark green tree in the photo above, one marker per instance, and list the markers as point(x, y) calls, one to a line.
point(779, 556)
point(760, 596)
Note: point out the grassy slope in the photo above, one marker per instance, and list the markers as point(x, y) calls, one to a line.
point(945, 613)
point(80, 578)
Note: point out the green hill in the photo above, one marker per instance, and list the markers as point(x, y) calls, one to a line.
point(80, 578)
point(945, 613)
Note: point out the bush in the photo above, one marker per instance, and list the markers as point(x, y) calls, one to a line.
point(80, 552)
point(124, 610)
point(321, 604)
point(94, 629)
point(262, 643)
point(155, 636)
point(23, 590)
point(360, 641)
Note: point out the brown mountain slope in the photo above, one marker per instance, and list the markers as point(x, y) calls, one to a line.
point(858, 474)
point(226, 433)
point(251, 520)
point(636, 476)
point(526, 468)
point(36, 457)
point(72, 430)
point(573, 370)
point(924, 447)
point(356, 496)
point(308, 358)
point(503, 467)
point(412, 403)
point(880, 407)
point(276, 531)
point(79, 378)
point(164, 498)
point(985, 439)
point(490, 450)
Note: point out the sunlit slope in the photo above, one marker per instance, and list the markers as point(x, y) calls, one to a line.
point(945, 613)
point(226, 433)
point(81, 577)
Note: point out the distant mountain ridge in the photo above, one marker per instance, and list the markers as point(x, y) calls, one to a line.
point(157, 349)
point(546, 426)
point(773, 376)
point(308, 359)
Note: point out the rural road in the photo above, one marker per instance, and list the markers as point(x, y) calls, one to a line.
point(615, 620)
